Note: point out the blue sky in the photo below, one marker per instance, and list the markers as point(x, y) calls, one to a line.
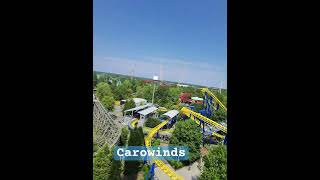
point(187, 39)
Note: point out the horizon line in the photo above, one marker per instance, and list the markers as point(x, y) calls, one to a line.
point(161, 80)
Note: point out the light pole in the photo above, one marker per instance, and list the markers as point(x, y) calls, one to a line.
point(155, 78)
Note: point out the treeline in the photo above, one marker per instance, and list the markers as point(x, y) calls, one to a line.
point(110, 89)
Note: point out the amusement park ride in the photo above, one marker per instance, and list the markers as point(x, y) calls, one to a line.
point(211, 103)
point(108, 131)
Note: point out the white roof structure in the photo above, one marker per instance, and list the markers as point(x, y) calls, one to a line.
point(137, 101)
point(138, 107)
point(182, 85)
point(197, 98)
point(156, 78)
point(171, 113)
point(147, 111)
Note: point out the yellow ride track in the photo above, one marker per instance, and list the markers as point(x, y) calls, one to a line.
point(133, 122)
point(189, 112)
point(206, 90)
point(147, 129)
point(166, 169)
point(213, 133)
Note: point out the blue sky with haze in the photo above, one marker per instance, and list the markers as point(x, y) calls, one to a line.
point(188, 38)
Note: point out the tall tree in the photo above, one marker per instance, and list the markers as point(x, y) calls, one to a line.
point(162, 95)
point(101, 163)
point(108, 102)
point(187, 133)
point(124, 136)
point(136, 139)
point(152, 122)
point(124, 90)
point(102, 78)
point(215, 164)
point(174, 93)
point(145, 91)
point(129, 104)
point(198, 93)
point(116, 168)
point(134, 84)
point(221, 96)
point(103, 89)
point(219, 115)
point(197, 107)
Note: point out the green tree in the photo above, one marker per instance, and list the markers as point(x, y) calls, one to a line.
point(134, 84)
point(103, 89)
point(124, 91)
point(198, 93)
point(152, 122)
point(188, 133)
point(221, 96)
point(155, 142)
point(174, 93)
point(169, 105)
point(124, 136)
point(215, 164)
point(116, 168)
point(189, 89)
point(144, 91)
point(162, 95)
point(101, 163)
point(177, 107)
point(197, 107)
point(102, 78)
point(219, 115)
point(136, 139)
point(145, 170)
point(108, 102)
point(113, 85)
point(128, 105)
point(167, 97)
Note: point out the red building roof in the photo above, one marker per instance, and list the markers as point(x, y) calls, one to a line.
point(185, 97)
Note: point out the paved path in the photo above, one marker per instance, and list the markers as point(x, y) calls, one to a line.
point(159, 174)
point(191, 174)
point(187, 174)
point(118, 112)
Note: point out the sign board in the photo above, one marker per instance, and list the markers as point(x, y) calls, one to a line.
point(156, 78)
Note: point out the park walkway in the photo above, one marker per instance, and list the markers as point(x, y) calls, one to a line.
point(187, 174)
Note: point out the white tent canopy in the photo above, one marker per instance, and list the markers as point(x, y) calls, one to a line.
point(138, 101)
point(171, 113)
point(147, 111)
point(138, 108)
point(197, 98)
